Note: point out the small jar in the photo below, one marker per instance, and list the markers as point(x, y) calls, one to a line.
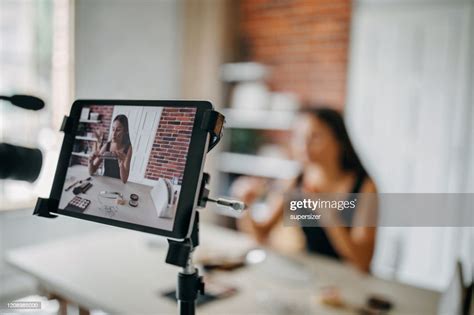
point(133, 200)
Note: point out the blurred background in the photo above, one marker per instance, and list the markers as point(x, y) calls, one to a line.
point(402, 72)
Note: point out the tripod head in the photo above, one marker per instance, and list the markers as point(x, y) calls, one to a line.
point(179, 252)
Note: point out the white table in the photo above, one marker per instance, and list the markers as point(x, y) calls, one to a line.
point(118, 271)
point(144, 214)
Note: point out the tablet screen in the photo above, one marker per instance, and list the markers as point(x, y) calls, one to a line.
point(128, 162)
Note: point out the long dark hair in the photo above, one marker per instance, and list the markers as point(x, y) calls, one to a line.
point(334, 120)
point(123, 120)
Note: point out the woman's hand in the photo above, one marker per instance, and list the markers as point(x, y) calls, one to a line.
point(121, 156)
point(94, 162)
point(124, 163)
point(248, 225)
point(248, 189)
point(95, 155)
point(100, 137)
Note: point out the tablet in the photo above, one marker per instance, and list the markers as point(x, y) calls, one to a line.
point(133, 164)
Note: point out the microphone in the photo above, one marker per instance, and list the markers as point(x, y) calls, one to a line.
point(24, 101)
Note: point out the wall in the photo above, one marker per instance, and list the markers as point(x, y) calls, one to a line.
point(127, 49)
point(305, 43)
point(170, 148)
point(105, 117)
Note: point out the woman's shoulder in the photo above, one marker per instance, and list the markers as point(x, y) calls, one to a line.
point(368, 186)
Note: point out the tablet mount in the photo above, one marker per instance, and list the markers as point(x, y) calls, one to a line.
point(189, 283)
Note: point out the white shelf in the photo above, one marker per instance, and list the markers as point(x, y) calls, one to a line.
point(86, 138)
point(253, 165)
point(260, 119)
point(80, 154)
point(88, 121)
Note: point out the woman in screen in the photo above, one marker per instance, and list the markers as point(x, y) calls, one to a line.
point(115, 154)
point(329, 164)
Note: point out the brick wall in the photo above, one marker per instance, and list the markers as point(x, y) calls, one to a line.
point(304, 41)
point(105, 113)
point(170, 148)
point(105, 116)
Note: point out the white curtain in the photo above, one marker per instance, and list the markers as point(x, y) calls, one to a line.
point(410, 114)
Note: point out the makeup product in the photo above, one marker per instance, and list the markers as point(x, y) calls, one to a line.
point(78, 204)
point(111, 194)
point(77, 182)
point(82, 189)
point(86, 187)
point(133, 200)
point(379, 302)
point(72, 185)
point(118, 197)
point(77, 190)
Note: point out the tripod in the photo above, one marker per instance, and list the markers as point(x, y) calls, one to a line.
point(189, 283)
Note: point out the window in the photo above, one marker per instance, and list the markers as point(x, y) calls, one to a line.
point(34, 59)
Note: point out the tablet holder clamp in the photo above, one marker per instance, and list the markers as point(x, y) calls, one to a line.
point(46, 207)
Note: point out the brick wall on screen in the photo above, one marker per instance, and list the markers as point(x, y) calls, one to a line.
point(105, 116)
point(304, 41)
point(170, 148)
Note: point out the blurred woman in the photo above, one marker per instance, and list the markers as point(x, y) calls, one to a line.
point(329, 165)
point(115, 154)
